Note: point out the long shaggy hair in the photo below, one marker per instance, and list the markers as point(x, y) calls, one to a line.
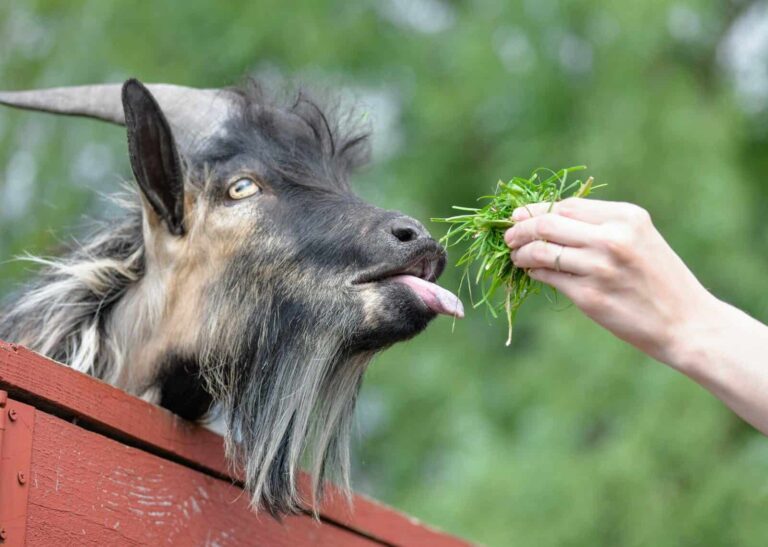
point(259, 310)
point(62, 312)
point(282, 379)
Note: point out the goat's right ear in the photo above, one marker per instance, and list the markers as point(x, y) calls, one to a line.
point(154, 158)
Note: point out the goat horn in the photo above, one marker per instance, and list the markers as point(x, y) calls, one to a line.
point(100, 101)
point(194, 114)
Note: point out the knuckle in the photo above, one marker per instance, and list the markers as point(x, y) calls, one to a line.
point(603, 271)
point(539, 252)
point(621, 239)
point(637, 216)
point(619, 242)
point(568, 206)
point(546, 227)
point(526, 231)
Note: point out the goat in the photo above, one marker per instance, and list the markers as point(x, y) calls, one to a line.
point(244, 276)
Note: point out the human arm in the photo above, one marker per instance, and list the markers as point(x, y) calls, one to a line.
point(618, 269)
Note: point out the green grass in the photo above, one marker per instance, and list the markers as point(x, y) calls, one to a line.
point(483, 228)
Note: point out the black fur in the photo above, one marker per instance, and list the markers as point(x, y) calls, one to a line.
point(290, 321)
point(181, 388)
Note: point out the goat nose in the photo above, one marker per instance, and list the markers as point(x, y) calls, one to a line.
point(406, 229)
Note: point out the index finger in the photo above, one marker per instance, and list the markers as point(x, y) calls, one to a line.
point(592, 211)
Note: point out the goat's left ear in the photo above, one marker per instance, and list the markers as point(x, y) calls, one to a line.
point(154, 158)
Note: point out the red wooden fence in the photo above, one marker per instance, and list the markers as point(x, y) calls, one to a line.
point(83, 463)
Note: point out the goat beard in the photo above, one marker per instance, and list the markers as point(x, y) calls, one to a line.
point(287, 384)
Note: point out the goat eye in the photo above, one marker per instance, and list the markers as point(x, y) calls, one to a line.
point(243, 188)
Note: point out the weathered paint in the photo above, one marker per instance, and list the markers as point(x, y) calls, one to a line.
point(127, 472)
point(16, 433)
point(91, 490)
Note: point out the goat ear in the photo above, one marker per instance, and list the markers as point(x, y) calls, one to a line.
point(154, 158)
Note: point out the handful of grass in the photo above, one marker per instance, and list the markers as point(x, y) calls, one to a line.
point(484, 229)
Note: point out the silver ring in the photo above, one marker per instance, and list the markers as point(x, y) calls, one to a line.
point(557, 258)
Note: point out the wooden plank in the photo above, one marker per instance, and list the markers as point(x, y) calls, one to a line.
point(87, 489)
point(17, 423)
point(99, 406)
point(68, 393)
point(380, 521)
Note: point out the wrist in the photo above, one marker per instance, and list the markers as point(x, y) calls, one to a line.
point(692, 336)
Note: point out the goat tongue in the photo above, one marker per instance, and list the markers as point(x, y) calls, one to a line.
point(437, 299)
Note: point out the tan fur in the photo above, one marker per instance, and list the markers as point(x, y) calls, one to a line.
point(258, 308)
point(178, 270)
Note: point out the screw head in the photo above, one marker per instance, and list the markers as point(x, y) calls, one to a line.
point(21, 477)
point(12, 414)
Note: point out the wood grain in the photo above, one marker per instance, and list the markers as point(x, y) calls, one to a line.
point(70, 394)
point(86, 489)
point(98, 406)
point(17, 422)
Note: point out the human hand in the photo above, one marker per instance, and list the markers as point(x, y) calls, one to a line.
point(610, 260)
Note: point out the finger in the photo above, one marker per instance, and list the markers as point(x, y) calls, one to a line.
point(541, 254)
point(553, 228)
point(593, 211)
point(562, 281)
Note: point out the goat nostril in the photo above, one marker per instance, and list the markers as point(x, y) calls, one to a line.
point(405, 229)
point(404, 233)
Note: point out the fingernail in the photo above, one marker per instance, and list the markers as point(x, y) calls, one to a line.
point(509, 237)
point(512, 255)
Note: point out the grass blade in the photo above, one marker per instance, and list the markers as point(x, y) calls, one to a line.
point(484, 228)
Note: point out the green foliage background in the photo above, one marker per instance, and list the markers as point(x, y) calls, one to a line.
point(568, 437)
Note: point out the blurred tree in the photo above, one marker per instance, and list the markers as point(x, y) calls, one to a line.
point(568, 437)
